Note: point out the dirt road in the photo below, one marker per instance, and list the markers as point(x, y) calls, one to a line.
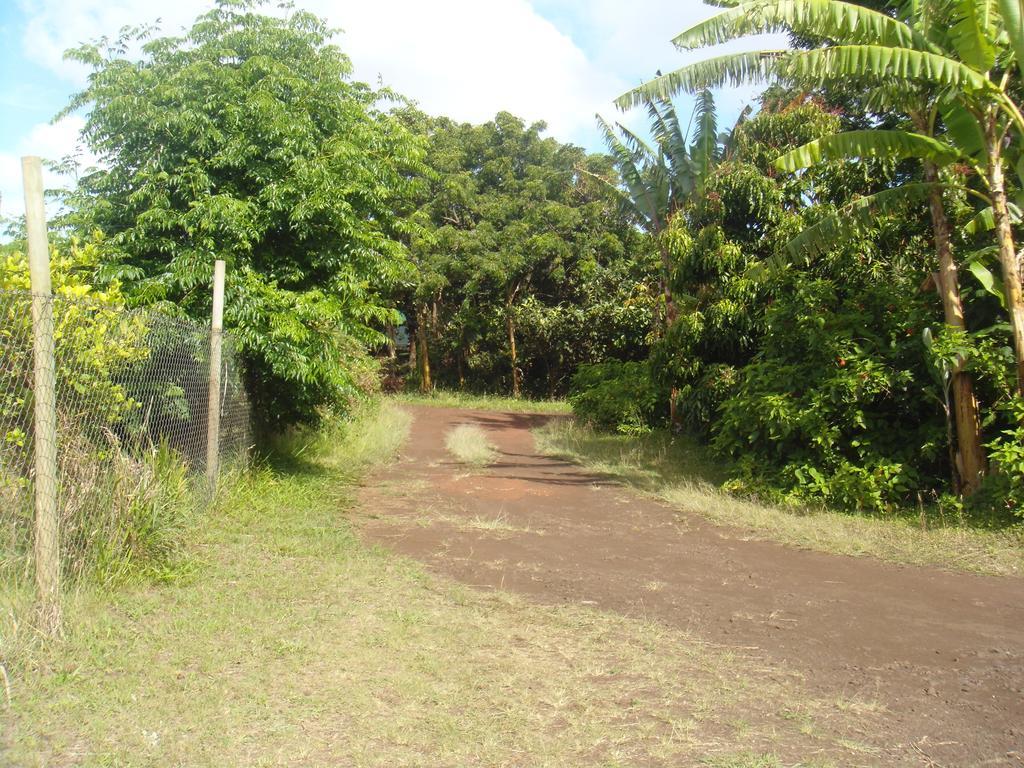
point(942, 652)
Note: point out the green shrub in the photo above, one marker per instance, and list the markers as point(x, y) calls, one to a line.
point(1001, 495)
point(616, 395)
point(829, 414)
point(122, 501)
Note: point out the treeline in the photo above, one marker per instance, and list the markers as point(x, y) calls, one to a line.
point(346, 215)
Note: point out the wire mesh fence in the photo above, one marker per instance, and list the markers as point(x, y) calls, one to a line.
point(126, 455)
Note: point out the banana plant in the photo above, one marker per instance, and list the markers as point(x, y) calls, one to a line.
point(662, 177)
point(966, 51)
point(660, 180)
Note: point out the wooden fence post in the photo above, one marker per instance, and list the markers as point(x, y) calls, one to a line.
point(47, 526)
point(213, 409)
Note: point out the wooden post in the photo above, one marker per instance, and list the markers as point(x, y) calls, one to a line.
point(47, 529)
point(213, 408)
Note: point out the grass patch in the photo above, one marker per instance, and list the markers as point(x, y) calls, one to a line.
point(679, 472)
point(449, 399)
point(293, 644)
point(470, 445)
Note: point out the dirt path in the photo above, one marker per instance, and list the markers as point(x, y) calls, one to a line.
point(943, 653)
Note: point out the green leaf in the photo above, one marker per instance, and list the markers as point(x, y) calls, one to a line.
point(845, 22)
point(973, 35)
point(984, 220)
point(730, 69)
point(1012, 12)
point(854, 217)
point(705, 146)
point(989, 281)
point(864, 144)
point(879, 63)
point(962, 128)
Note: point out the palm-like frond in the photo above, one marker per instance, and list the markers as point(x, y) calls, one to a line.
point(832, 19)
point(973, 36)
point(642, 151)
point(985, 220)
point(876, 62)
point(851, 145)
point(730, 69)
point(667, 132)
point(728, 140)
point(705, 138)
point(962, 128)
point(646, 183)
point(1012, 12)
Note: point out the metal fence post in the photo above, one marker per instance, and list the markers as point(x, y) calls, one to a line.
point(47, 530)
point(213, 409)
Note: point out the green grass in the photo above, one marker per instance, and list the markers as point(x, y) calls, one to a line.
point(449, 399)
point(679, 472)
point(291, 643)
point(469, 444)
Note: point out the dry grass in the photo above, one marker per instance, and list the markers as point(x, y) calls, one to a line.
point(292, 644)
point(678, 472)
point(470, 445)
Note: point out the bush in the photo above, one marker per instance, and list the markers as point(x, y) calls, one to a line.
point(827, 413)
point(616, 395)
point(1002, 493)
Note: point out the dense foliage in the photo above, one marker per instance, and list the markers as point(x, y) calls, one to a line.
point(827, 344)
point(526, 267)
point(244, 140)
point(616, 395)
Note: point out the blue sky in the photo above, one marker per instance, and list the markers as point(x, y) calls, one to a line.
point(556, 60)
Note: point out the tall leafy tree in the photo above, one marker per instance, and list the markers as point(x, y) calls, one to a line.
point(657, 181)
point(525, 265)
point(244, 139)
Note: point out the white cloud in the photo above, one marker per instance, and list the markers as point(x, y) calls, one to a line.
point(469, 59)
point(57, 25)
point(51, 141)
point(464, 58)
point(554, 60)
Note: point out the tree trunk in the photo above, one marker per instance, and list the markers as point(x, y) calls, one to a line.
point(1007, 250)
point(423, 355)
point(513, 356)
point(389, 331)
point(972, 464)
point(666, 286)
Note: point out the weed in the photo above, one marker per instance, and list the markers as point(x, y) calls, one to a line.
point(470, 445)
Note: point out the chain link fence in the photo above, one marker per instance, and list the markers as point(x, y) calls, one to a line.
point(131, 390)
